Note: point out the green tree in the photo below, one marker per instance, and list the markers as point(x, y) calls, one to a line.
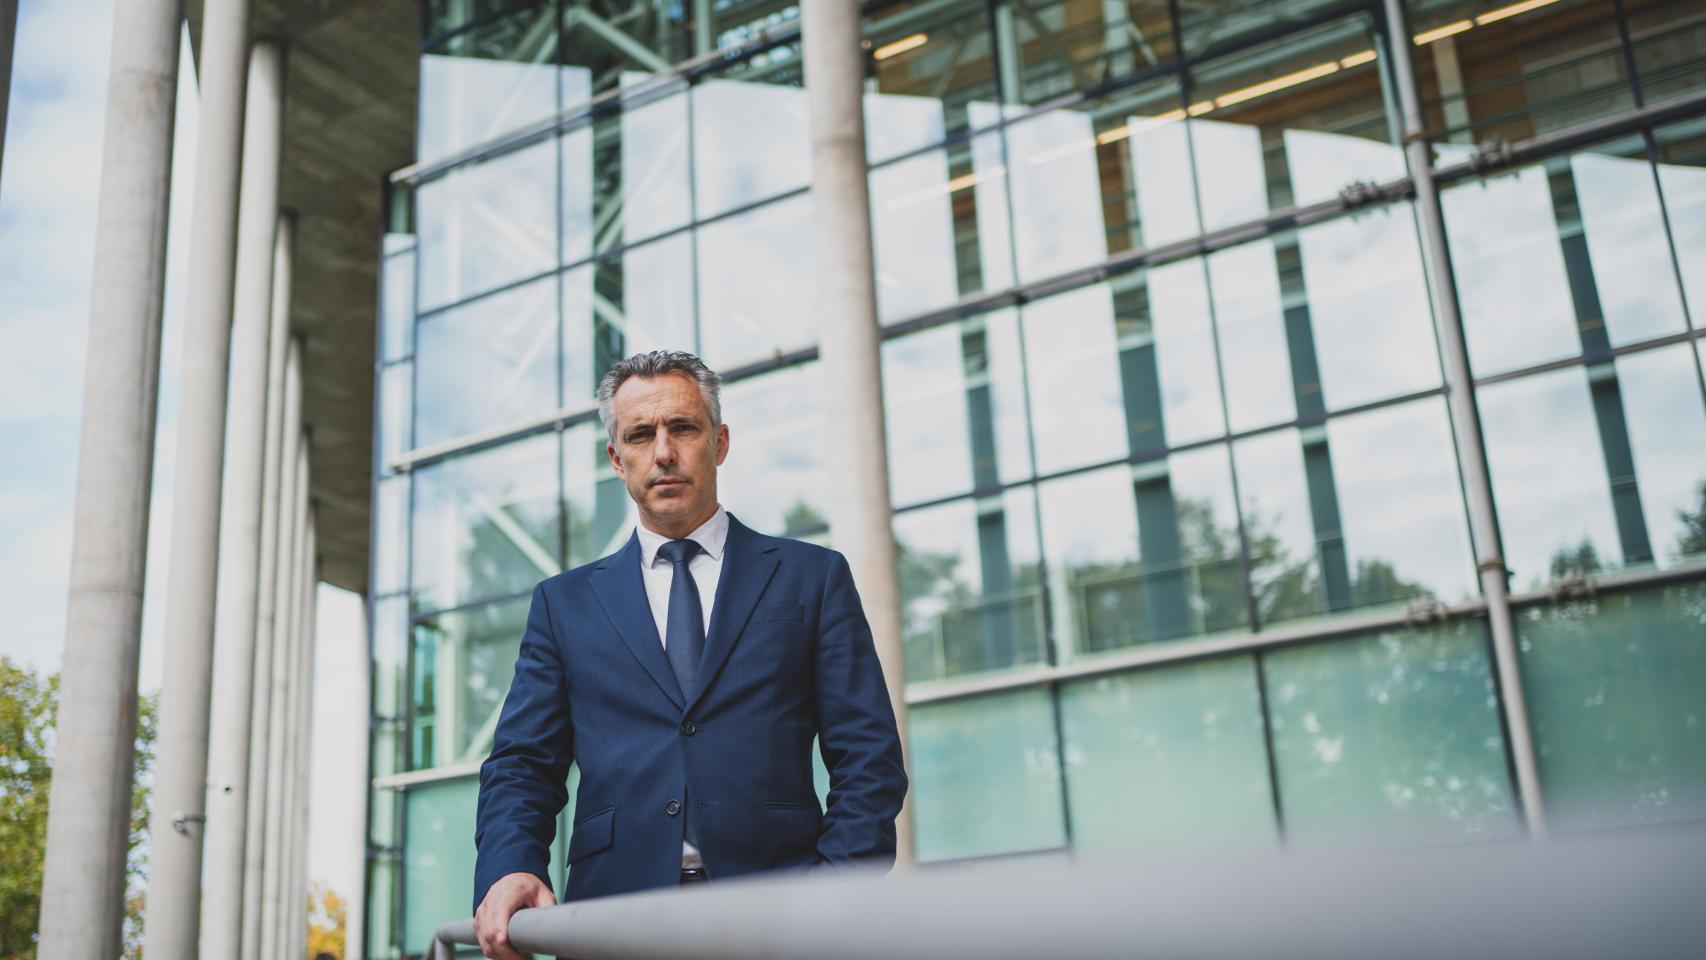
point(28, 705)
point(1693, 538)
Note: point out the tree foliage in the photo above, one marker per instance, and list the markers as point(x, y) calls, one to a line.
point(327, 917)
point(28, 706)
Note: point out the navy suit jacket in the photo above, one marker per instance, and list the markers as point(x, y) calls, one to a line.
point(788, 657)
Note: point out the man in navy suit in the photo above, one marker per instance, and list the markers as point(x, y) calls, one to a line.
point(688, 674)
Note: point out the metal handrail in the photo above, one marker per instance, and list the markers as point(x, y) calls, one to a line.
point(1630, 894)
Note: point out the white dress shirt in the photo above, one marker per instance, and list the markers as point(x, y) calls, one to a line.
point(659, 574)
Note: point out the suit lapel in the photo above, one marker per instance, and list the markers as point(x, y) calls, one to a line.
point(749, 561)
point(621, 592)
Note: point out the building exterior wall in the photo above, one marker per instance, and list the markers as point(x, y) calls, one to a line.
point(1185, 561)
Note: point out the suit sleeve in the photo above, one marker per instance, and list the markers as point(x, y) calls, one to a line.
point(522, 782)
point(856, 731)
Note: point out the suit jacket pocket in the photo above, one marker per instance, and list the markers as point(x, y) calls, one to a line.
point(780, 611)
point(592, 834)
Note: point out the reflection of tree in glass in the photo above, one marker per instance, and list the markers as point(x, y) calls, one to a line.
point(1693, 538)
point(1578, 561)
point(803, 516)
point(950, 627)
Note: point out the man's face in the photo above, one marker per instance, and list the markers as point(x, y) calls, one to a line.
point(667, 451)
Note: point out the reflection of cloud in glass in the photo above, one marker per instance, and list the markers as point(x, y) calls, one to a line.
point(1184, 352)
point(750, 141)
point(1057, 200)
point(1250, 312)
point(1548, 471)
point(777, 434)
point(1685, 198)
point(758, 283)
point(1166, 184)
point(1073, 362)
point(1368, 307)
point(487, 224)
point(469, 100)
point(1510, 274)
point(656, 193)
point(912, 236)
point(928, 433)
point(1231, 182)
point(897, 123)
point(1396, 477)
point(1632, 269)
point(486, 364)
point(1007, 395)
point(1667, 434)
point(1321, 164)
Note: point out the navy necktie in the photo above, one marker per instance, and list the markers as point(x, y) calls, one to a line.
point(684, 635)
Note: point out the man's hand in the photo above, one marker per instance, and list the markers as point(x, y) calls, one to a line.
point(516, 891)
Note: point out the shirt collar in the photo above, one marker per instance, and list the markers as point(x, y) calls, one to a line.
point(710, 535)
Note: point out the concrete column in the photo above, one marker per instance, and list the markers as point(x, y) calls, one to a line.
point(860, 514)
point(280, 739)
point(88, 827)
point(240, 530)
point(1466, 424)
point(180, 786)
point(283, 406)
point(8, 34)
point(297, 932)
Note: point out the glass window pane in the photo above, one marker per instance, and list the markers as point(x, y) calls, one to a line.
point(390, 534)
point(488, 81)
point(605, 41)
point(382, 939)
point(396, 411)
point(1682, 177)
point(986, 776)
point(1634, 279)
point(597, 511)
point(751, 136)
point(1548, 463)
point(390, 653)
point(929, 60)
point(1256, 334)
point(487, 224)
point(939, 228)
point(1064, 46)
point(397, 305)
point(440, 846)
point(1488, 72)
point(1373, 334)
point(1392, 737)
point(1662, 407)
point(757, 283)
point(925, 398)
point(1614, 688)
point(1512, 284)
point(656, 192)
point(486, 523)
point(1323, 533)
point(1293, 120)
point(1202, 26)
point(1170, 759)
point(776, 476)
point(490, 363)
point(1072, 359)
point(462, 665)
point(1667, 37)
point(642, 300)
point(970, 592)
point(1143, 554)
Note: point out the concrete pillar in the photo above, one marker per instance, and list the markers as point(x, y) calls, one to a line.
point(180, 785)
point(860, 514)
point(297, 931)
point(280, 739)
point(240, 528)
point(1466, 424)
point(8, 34)
point(283, 406)
point(88, 827)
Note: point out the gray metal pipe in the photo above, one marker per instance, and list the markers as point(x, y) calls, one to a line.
point(236, 638)
point(859, 508)
point(1466, 426)
point(88, 826)
point(1627, 895)
point(279, 412)
point(180, 785)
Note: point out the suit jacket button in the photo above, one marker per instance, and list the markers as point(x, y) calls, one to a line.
point(688, 729)
point(672, 808)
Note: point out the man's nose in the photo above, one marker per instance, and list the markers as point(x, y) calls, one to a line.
point(663, 450)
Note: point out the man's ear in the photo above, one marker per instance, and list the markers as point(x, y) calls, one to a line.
point(722, 442)
point(615, 461)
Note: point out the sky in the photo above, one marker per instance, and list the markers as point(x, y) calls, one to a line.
point(49, 189)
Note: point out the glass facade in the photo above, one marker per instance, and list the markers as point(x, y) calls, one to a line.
point(1185, 553)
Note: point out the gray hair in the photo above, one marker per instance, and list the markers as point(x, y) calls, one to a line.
point(657, 363)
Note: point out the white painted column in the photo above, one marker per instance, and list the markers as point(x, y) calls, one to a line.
point(180, 785)
point(283, 406)
point(281, 740)
point(240, 529)
point(860, 514)
point(298, 930)
point(88, 826)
